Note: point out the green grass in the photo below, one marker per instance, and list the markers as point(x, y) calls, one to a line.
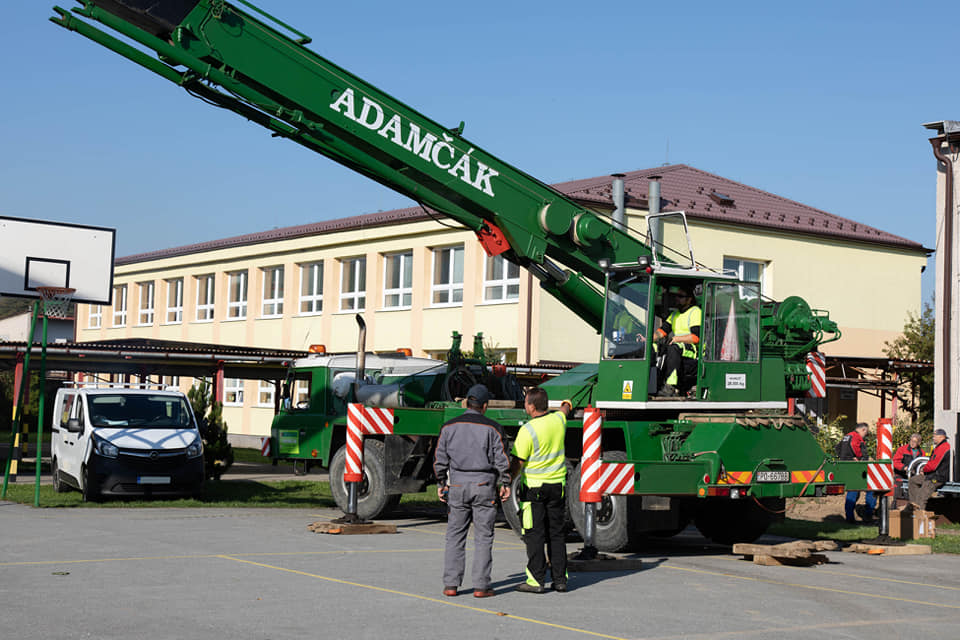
point(843, 532)
point(286, 494)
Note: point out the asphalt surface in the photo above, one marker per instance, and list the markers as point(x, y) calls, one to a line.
point(162, 573)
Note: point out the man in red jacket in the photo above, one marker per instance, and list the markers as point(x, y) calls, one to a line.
point(851, 448)
point(906, 454)
point(934, 474)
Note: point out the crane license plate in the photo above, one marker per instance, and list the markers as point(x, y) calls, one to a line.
point(773, 476)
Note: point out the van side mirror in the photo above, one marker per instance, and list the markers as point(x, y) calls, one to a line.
point(74, 426)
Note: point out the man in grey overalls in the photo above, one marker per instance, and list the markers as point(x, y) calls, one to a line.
point(472, 467)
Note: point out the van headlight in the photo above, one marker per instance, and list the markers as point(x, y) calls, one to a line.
point(195, 449)
point(105, 449)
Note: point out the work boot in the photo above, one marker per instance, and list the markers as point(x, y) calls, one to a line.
point(449, 591)
point(667, 391)
point(560, 587)
point(483, 593)
point(526, 587)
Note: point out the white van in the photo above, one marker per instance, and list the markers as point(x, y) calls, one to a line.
point(123, 441)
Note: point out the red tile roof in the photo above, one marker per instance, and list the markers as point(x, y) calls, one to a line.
point(703, 195)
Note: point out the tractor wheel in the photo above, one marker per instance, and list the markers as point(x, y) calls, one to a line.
point(372, 497)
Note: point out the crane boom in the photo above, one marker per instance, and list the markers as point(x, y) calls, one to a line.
point(238, 61)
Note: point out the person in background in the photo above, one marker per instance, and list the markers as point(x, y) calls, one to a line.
point(905, 454)
point(472, 467)
point(934, 474)
point(851, 448)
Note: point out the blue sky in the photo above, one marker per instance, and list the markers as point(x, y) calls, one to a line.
point(820, 102)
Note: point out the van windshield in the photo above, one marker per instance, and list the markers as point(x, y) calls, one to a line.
point(145, 411)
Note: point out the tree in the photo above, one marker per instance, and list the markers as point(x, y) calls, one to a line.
point(217, 452)
point(917, 343)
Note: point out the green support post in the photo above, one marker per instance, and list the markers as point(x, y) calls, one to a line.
point(42, 396)
point(18, 412)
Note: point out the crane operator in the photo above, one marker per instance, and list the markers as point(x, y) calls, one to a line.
point(681, 333)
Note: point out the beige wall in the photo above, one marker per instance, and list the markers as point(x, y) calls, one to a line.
point(868, 291)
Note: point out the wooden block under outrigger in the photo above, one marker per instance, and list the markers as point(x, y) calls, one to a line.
point(796, 553)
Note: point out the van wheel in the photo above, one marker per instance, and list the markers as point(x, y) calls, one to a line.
point(90, 490)
point(55, 474)
point(372, 498)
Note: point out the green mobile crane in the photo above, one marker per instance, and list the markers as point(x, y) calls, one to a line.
point(725, 455)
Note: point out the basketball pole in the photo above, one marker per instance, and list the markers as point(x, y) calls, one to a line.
point(20, 400)
point(41, 401)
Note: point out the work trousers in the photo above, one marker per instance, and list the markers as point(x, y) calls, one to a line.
point(921, 488)
point(544, 513)
point(685, 369)
point(851, 502)
point(470, 502)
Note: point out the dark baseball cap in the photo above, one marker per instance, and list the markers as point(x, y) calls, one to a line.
point(479, 393)
point(936, 432)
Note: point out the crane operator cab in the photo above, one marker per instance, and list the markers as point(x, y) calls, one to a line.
point(677, 338)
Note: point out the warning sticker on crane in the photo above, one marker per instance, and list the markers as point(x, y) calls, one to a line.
point(627, 390)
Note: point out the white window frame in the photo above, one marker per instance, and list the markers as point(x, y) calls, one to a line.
point(272, 306)
point(501, 284)
point(175, 310)
point(171, 382)
point(403, 260)
point(739, 270)
point(205, 309)
point(95, 319)
point(145, 315)
point(237, 309)
point(358, 296)
point(452, 287)
point(120, 305)
point(265, 393)
point(311, 288)
point(233, 387)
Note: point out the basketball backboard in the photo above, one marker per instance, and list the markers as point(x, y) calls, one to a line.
point(38, 253)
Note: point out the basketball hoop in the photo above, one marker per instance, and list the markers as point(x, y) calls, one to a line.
point(56, 301)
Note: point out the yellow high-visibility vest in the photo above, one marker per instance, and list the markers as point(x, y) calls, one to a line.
point(682, 323)
point(540, 443)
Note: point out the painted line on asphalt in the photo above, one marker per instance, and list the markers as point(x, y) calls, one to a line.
point(813, 587)
point(416, 596)
point(885, 625)
point(217, 555)
point(857, 575)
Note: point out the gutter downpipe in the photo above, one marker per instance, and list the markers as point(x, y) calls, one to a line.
point(947, 292)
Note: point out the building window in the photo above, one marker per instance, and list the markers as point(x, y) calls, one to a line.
point(205, 297)
point(146, 303)
point(171, 382)
point(748, 270)
point(447, 287)
point(237, 292)
point(272, 292)
point(120, 305)
point(175, 301)
point(96, 316)
point(398, 280)
point(311, 288)
point(233, 392)
point(265, 393)
point(501, 280)
point(353, 284)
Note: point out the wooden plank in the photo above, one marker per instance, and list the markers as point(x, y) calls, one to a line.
point(890, 550)
point(351, 529)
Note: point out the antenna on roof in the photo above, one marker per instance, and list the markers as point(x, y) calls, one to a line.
point(666, 158)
